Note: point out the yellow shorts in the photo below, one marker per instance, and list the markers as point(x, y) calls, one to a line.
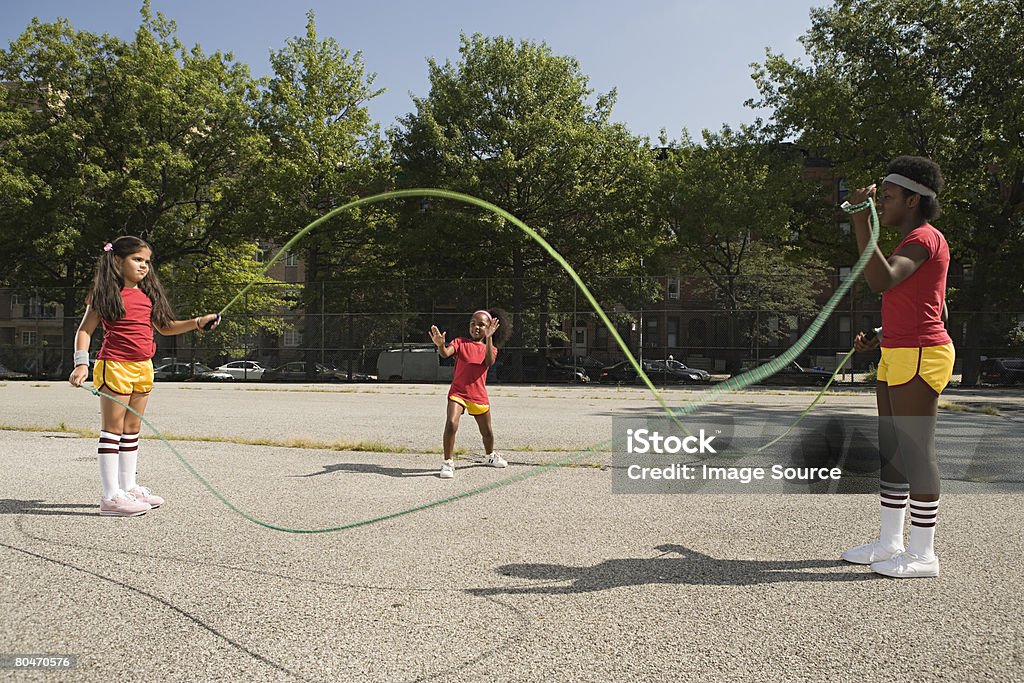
point(473, 408)
point(933, 363)
point(123, 376)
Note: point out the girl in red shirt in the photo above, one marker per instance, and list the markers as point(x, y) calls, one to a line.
point(128, 300)
point(473, 356)
point(917, 363)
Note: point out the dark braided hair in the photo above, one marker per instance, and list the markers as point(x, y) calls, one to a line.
point(926, 172)
point(504, 330)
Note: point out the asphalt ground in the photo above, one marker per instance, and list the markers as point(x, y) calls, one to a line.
point(551, 578)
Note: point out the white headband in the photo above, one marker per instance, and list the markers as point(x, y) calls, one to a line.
point(912, 185)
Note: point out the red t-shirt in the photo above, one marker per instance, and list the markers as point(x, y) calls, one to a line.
point(470, 380)
point(912, 310)
point(131, 337)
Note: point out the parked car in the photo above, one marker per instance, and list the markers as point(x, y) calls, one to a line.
point(590, 365)
point(1002, 370)
point(659, 372)
point(536, 367)
point(678, 368)
point(243, 369)
point(795, 374)
point(356, 375)
point(189, 372)
point(415, 363)
point(7, 373)
point(296, 372)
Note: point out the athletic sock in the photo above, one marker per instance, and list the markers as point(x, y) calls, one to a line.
point(108, 458)
point(922, 527)
point(893, 498)
point(128, 458)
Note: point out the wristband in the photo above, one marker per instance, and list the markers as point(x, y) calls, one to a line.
point(855, 208)
point(196, 321)
point(81, 358)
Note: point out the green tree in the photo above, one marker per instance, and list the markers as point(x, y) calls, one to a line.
point(939, 78)
point(734, 208)
point(206, 282)
point(323, 149)
point(516, 125)
point(104, 137)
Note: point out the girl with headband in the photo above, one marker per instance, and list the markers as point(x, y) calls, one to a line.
point(488, 330)
point(916, 364)
point(128, 300)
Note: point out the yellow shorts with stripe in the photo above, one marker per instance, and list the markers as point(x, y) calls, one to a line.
point(123, 376)
point(934, 364)
point(473, 408)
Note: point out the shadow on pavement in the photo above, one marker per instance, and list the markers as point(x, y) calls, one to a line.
point(9, 506)
point(690, 567)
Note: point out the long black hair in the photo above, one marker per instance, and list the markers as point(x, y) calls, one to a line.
point(105, 297)
point(926, 172)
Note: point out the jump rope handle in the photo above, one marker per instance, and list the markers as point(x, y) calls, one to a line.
point(872, 333)
point(209, 326)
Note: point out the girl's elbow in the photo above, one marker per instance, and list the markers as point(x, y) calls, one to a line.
point(876, 288)
point(878, 285)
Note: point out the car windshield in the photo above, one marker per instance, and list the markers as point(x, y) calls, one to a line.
point(202, 368)
point(1014, 364)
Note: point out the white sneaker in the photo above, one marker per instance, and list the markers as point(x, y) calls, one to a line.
point(448, 469)
point(908, 566)
point(869, 553)
point(495, 460)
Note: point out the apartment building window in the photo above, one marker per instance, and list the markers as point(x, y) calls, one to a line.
point(673, 333)
point(37, 309)
point(844, 330)
point(292, 339)
point(28, 338)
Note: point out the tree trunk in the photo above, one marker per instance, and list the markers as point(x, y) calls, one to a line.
point(516, 363)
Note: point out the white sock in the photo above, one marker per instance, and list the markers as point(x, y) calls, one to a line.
point(108, 458)
point(128, 459)
point(893, 499)
point(922, 528)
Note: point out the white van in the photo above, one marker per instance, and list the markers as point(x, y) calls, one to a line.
point(414, 363)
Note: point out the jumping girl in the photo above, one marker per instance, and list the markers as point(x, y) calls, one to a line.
point(916, 365)
point(488, 330)
point(128, 300)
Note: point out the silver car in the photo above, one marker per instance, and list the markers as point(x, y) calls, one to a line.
point(243, 369)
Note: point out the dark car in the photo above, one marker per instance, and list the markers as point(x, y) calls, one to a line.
point(296, 372)
point(1002, 370)
point(189, 372)
point(795, 375)
point(590, 365)
point(6, 373)
point(536, 368)
point(658, 371)
point(683, 373)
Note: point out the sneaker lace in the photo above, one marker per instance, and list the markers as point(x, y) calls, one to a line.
point(143, 490)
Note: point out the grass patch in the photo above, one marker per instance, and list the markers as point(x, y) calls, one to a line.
point(962, 408)
point(85, 433)
point(295, 442)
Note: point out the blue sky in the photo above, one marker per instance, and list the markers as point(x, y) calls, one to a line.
point(675, 65)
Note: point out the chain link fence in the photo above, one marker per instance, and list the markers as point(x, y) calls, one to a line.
point(357, 330)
